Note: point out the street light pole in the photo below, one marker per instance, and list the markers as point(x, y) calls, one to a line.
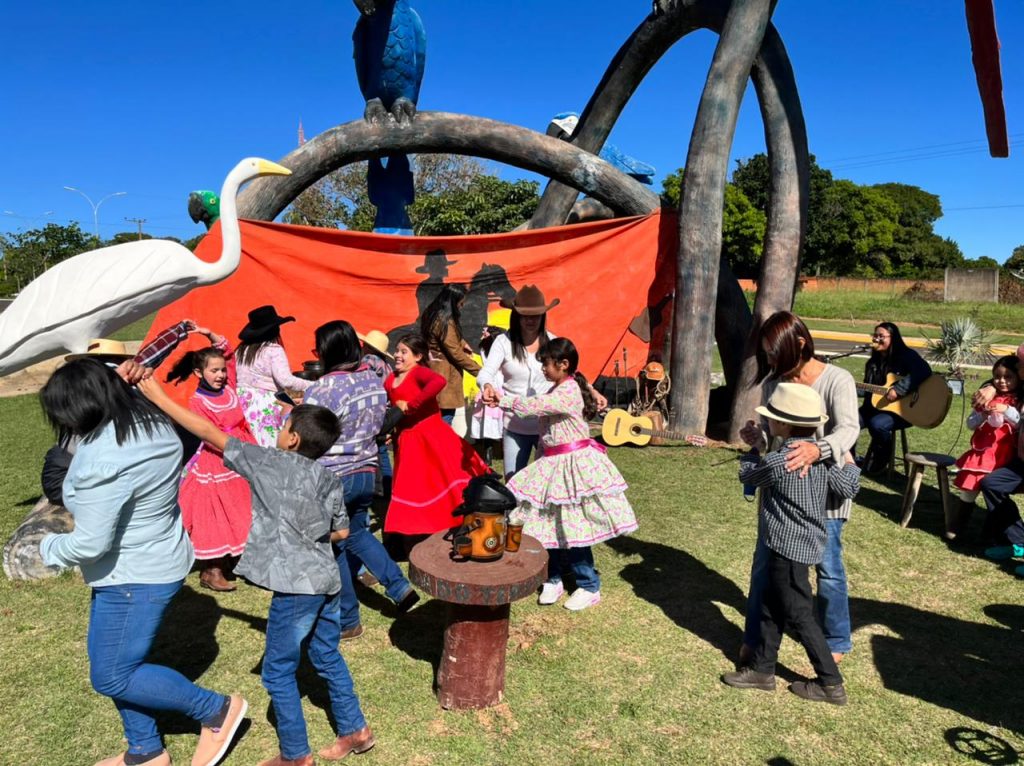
point(95, 207)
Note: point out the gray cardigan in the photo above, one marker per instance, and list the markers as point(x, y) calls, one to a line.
point(839, 395)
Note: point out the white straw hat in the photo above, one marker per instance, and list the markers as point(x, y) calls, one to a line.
point(796, 404)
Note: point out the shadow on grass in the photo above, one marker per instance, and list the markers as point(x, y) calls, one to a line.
point(970, 668)
point(420, 633)
point(981, 746)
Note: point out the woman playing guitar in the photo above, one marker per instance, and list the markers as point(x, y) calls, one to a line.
point(890, 356)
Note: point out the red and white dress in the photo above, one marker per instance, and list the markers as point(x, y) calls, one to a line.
point(992, 447)
point(216, 504)
point(433, 464)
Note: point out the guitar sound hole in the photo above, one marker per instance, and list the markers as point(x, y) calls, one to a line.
point(635, 430)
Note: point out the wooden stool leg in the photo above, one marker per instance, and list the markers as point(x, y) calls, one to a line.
point(949, 508)
point(906, 449)
point(914, 477)
point(472, 670)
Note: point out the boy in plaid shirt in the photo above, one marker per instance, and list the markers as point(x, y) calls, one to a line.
point(792, 524)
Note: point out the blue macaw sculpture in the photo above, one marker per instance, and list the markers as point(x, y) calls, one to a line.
point(390, 188)
point(390, 50)
point(564, 123)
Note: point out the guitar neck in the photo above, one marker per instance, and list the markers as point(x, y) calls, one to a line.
point(661, 434)
point(872, 389)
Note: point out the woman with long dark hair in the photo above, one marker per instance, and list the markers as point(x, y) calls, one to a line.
point(263, 370)
point(785, 353)
point(890, 355)
point(129, 542)
point(355, 394)
point(513, 360)
point(450, 355)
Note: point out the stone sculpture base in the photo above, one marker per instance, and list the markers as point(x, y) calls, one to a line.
point(21, 558)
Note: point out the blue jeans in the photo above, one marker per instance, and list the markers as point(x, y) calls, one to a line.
point(293, 619)
point(581, 562)
point(1004, 516)
point(123, 622)
point(881, 426)
point(833, 602)
point(361, 547)
point(517, 448)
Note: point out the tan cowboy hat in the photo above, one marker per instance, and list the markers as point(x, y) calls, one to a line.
point(796, 404)
point(114, 350)
point(377, 340)
point(529, 301)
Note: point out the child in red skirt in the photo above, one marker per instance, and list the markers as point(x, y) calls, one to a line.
point(216, 505)
point(433, 464)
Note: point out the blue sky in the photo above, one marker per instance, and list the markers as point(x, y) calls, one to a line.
point(157, 99)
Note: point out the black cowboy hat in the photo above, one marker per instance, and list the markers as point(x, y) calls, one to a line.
point(431, 262)
point(262, 322)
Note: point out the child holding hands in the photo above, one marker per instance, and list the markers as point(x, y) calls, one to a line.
point(792, 524)
point(572, 496)
point(298, 510)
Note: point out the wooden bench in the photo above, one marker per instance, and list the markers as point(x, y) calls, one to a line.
point(917, 462)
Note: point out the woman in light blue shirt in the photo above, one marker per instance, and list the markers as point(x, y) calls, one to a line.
point(128, 540)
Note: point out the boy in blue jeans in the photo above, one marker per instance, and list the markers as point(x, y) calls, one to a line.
point(297, 511)
point(792, 525)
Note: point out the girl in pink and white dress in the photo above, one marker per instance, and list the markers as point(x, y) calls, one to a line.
point(216, 504)
point(572, 496)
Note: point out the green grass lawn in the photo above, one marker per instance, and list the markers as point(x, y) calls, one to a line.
point(936, 666)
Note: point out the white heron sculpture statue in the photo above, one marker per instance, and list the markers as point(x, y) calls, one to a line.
point(94, 293)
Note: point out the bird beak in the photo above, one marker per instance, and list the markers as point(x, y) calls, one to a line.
point(268, 168)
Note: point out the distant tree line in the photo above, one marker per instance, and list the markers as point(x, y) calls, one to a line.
point(884, 230)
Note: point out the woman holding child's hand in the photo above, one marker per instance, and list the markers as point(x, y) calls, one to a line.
point(785, 353)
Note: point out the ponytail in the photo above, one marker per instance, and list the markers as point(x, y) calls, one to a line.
point(192, 360)
point(589, 402)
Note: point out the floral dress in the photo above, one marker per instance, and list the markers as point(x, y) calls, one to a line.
point(258, 382)
point(572, 496)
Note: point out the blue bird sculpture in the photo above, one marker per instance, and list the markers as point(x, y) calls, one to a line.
point(564, 123)
point(390, 50)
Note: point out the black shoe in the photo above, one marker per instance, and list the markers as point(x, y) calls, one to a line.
point(815, 691)
point(409, 600)
point(748, 678)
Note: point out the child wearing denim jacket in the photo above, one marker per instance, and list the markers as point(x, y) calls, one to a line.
point(298, 510)
point(792, 524)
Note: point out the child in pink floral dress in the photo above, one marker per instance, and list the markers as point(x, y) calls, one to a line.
point(573, 496)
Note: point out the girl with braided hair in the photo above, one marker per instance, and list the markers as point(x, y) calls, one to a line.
point(572, 496)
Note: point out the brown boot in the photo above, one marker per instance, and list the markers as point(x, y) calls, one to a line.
point(212, 577)
point(961, 521)
point(356, 742)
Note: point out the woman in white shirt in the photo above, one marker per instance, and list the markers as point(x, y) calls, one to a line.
point(513, 360)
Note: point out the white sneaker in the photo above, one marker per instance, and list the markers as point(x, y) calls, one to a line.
point(581, 599)
point(550, 593)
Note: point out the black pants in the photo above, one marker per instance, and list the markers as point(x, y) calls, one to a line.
point(788, 604)
point(1003, 514)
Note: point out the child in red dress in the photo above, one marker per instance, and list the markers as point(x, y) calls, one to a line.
point(433, 464)
point(994, 442)
point(216, 505)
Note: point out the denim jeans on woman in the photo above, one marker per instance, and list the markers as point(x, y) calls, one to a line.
point(293, 619)
point(123, 622)
point(833, 600)
point(362, 547)
point(580, 561)
point(517, 448)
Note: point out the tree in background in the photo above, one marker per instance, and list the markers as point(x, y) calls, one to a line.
point(1016, 259)
point(27, 254)
point(454, 195)
point(917, 250)
point(743, 224)
point(854, 231)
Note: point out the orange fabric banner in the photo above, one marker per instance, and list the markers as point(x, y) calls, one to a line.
point(604, 273)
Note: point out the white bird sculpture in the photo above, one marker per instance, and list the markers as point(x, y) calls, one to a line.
point(94, 293)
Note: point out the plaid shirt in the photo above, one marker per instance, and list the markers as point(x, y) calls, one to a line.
point(792, 518)
point(155, 352)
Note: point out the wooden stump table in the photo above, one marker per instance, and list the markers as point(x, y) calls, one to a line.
point(479, 595)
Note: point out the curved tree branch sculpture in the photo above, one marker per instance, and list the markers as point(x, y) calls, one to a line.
point(435, 132)
point(786, 139)
point(700, 210)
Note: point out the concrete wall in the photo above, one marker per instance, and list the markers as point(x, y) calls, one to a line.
point(972, 285)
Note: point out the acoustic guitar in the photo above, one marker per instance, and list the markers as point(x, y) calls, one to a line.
point(619, 427)
point(925, 408)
